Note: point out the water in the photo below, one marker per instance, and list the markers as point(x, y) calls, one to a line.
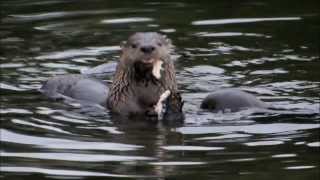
point(269, 48)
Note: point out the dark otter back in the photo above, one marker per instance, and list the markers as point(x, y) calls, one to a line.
point(232, 100)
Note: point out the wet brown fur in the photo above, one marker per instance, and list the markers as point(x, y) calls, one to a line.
point(135, 90)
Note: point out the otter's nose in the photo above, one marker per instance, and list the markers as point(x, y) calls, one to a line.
point(147, 49)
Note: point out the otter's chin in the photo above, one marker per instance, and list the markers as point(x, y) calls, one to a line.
point(142, 68)
point(147, 63)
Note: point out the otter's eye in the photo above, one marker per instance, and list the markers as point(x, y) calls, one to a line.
point(159, 44)
point(133, 46)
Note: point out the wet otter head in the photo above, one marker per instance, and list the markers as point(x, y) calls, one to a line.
point(145, 78)
point(146, 52)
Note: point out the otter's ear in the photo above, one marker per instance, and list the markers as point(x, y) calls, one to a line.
point(123, 44)
point(168, 41)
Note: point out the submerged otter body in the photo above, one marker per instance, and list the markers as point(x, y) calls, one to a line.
point(144, 73)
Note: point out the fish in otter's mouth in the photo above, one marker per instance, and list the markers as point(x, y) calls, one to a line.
point(150, 68)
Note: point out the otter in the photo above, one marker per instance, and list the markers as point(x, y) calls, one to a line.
point(76, 86)
point(145, 78)
point(144, 83)
point(232, 100)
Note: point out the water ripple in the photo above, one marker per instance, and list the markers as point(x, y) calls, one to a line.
point(68, 14)
point(199, 70)
point(264, 143)
point(56, 143)
point(15, 111)
point(228, 136)
point(126, 20)
point(253, 129)
point(229, 34)
point(242, 20)
point(299, 167)
point(59, 172)
point(266, 72)
point(89, 51)
point(111, 130)
point(242, 160)
point(77, 157)
point(177, 163)
point(33, 125)
point(314, 144)
point(283, 155)
point(191, 148)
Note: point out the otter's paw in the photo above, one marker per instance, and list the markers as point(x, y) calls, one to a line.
point(173, 111)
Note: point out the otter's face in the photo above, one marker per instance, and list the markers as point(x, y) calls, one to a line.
point(146, 49)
